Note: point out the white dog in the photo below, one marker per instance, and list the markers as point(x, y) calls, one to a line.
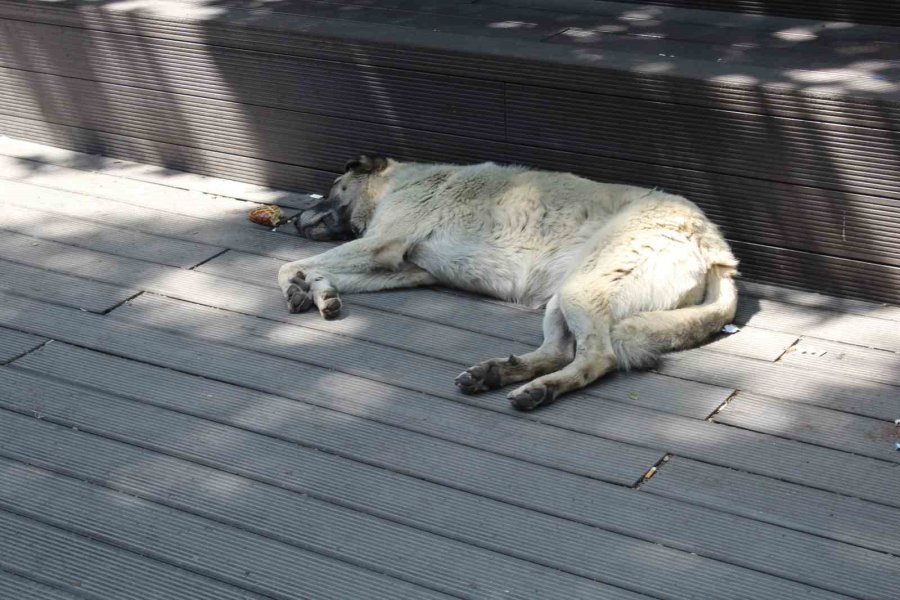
point(626, 273)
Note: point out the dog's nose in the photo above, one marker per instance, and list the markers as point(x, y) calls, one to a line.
point(320, 225)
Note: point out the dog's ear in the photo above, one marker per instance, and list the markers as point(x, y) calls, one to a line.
point(367, 165)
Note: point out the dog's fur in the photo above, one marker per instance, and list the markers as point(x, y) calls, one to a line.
point(626, 273)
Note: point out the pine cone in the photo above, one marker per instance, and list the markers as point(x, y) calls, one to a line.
point(269, 215)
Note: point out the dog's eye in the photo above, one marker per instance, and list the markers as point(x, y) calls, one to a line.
point(343, 188)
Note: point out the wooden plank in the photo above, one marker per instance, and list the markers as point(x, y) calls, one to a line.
point(35, 210)
point(819, 323)
point(603, 459)
point(88, 568)
point(127, 191)
point(14, 586)
point(752, 343)
point(163, 156)
point(799, 508)
point(778, 380)
point(82, 233)
point(312, 523)
point(289, 466)
point(14, 344)
point(58, 288)
point(292, 560)
point(848, 360)
point(722, 445)
point(814, 425)
point(813, 300)
point(25, 153)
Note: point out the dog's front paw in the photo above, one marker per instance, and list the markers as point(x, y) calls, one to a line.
point(298, 299)
point(330, 306)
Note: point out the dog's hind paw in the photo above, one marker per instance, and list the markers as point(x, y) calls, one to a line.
point(528, 398)
point(480, 378)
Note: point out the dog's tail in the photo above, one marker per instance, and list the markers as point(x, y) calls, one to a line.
point(639, 340)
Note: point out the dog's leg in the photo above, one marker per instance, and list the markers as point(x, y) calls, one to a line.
point(324, 287)
point(312, 280)
point(587, 317)
point(555, 352)
point(376, 281)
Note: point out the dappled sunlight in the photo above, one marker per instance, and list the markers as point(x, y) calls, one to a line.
point(512, 25)
point(192, 395)
point(796, 34)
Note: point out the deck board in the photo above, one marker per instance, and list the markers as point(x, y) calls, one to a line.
point(703, 532)
point(98, 175)
point(821, 426)
point(58, 288)
point(231, 450)
point(591, 415)
point(47, 554)
point(321, 427)
point(15, 586)
point(820, 323)
point(751, 342)
point(14, 344)
point(787, 382)
point(289, 556)
point(407, 552)
point(56, 223)
point(846, 359)
point(620, 462)
point(34, 204)
point(796, 507)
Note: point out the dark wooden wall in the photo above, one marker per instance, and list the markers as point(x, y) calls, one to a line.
point(877, 12)
point(805, 185)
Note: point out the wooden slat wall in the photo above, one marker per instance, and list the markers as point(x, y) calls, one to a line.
point(878, 12)
point(805, 186)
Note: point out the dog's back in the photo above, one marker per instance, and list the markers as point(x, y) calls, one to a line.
point(507, 232)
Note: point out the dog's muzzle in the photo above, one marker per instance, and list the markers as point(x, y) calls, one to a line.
point(323, 223)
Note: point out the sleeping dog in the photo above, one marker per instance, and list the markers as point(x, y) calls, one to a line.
point(625, 273)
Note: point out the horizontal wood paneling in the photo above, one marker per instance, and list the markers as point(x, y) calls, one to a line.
point(355, 90)
point(878, 12)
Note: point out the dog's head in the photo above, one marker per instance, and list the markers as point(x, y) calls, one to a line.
point(345, 212)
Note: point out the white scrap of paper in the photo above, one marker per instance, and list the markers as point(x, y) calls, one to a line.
point(316, 196)
point(730, 328)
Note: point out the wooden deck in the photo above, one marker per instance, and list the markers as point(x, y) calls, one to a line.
point(167, 430)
